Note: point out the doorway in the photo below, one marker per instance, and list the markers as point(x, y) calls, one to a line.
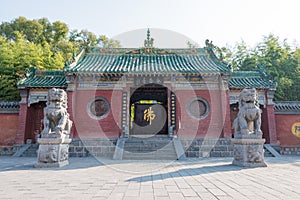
point(148, 110)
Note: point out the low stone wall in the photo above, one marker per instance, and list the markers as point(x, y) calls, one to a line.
point(6, 150)
point(102, 147)
point(290, 150)
point(207, 147)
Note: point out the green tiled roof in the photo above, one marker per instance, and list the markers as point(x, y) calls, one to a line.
point(148, 61)
point(38, 78)
point(9, 106)
point(253, 79)
point(287, 107)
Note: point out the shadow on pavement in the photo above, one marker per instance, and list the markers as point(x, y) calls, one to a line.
point(187, 172)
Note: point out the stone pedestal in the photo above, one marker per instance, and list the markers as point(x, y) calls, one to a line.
point(249, 151)
point(53, 152)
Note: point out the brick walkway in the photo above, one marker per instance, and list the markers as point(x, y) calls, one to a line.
point(210, 178)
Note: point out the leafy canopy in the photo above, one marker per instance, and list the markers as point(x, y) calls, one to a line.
point(280, 60)
point(42, 44)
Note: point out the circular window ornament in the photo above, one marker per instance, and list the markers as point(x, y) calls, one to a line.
point(296, 129)
point(198, 108)
point(98, 108)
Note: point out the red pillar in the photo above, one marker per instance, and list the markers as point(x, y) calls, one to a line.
point(71, 92)
point(227, 133)
point(270, 118)
point(225, 106)
point(70, 111)
point(20, 137)
point(271, 124)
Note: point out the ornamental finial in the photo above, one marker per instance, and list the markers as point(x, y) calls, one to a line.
point(148, 34)
point(149, 41)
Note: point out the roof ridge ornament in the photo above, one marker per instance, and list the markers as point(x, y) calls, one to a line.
point(148, 43)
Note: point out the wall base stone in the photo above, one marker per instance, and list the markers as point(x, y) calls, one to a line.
point(99, 147)
point(6, 150)
point(295, 151)
point(207, 147)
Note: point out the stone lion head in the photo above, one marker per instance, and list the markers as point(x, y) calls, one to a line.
point(59, 96)
point(248, 96)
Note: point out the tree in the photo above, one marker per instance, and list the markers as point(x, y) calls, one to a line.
point(106, 42)
point(241, 57)
point(41, 32)
point(279, 59)
point(17, 56)
point(39, 43)
point(84, 38)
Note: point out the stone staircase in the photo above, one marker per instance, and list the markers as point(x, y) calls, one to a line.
point(267, 153)
point(272, 150)
point(153, 148)
point(32, 151)
point(149, 148)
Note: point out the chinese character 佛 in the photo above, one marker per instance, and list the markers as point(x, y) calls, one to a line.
point(149, 115)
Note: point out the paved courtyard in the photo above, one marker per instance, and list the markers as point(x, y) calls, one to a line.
point(91, 178)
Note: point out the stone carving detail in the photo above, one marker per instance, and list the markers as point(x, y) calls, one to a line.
point(48, 155)
point(238, 153)
point(248, 142)
point(54, 142)
point(56, 118)
point(254, 155)
point(248, 120)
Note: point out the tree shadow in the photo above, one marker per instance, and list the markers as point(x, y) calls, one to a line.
point(187, 172)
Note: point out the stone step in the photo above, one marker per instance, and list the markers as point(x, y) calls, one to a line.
point(148, 142)
point(155, 148)
point(267, 153)
point(31, 152)
point(163, 151)
point(272, 150)
point(149, 156)
point(22, 150)
point(125, 157)
point(148, 148)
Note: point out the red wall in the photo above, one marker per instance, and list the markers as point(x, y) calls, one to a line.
point(206, 127)
point(283, 126)
point(8, 129)
point(87, 127)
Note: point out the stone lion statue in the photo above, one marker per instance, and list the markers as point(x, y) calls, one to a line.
point(248, 120)
point(56, 118)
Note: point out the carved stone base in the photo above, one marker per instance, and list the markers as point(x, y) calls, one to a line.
point(249, 152)
point(53, 152)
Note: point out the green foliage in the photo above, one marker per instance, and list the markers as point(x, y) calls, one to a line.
point(8, 90)
point(280, 60)
point(105, 42)
point(39, 43)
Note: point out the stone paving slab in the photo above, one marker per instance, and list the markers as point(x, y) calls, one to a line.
point(95, 178)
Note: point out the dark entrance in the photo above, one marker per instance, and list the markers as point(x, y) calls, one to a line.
point(35, 115)
point(148, 110)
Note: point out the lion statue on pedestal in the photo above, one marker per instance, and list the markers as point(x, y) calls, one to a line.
point(248, 120)
point(56, 118)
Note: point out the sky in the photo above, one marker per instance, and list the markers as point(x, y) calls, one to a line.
point(225, 22)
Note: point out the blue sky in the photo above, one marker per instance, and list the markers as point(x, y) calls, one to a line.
point(223, 21)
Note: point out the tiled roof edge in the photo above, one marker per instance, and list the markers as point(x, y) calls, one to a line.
point(287, 107)
point(9, 107)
